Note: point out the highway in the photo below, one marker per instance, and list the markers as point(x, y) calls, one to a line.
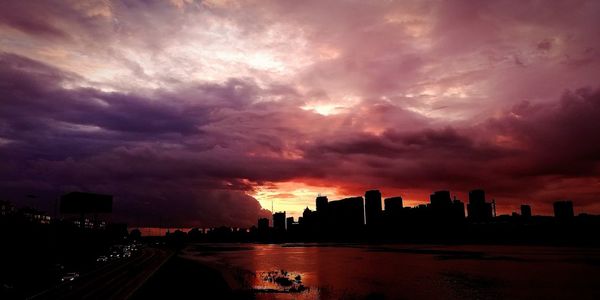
point(115, 280)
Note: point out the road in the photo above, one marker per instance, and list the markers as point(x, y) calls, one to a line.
point(116, 280)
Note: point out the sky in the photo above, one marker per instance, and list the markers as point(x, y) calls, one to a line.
point(206, 113)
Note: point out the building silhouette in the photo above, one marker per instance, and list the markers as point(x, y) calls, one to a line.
point(393, 205)
point(322, 204)
point(76, 205)
point(6, 208)
point(478, 209)
point(440, 199)
point(458, 209)
point(307, 215)
point(372, 207)
point(279, 221)
point(563, 209)
point(36, 216)
point(526, 211)
point(263, 224)
point(440, 206)
point(442, 219)
point(346, 214)
point(445, 210)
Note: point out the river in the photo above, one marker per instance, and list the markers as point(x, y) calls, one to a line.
point(406, 271)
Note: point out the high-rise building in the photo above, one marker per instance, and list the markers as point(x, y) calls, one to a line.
point(393, 205)
point(372, 207)
point(347, 213)
point(322, 204)
point(279, 221)
point(458, 210)
point(525, 211)
point(477, 197)
point(440, 199)
point(563, 209)
point(6, 208)
point(444, 210)
point(307, 213)
point(478, 209)
point(263, 224)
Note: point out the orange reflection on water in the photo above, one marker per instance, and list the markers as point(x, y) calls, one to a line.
point(415, 271)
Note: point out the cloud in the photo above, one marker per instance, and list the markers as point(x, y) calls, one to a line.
point(186, 109)
point(127, 145)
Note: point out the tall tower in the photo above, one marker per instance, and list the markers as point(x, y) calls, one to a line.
point(440, 199)
point(372, 207)
point(526, 211)
point(563, 210)
point(476, 197)
point(322, 204)
point(279, 221)
point(478, 209)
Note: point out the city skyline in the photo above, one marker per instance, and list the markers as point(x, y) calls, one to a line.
point(477, 208)
point(80, 254)
point(284, 149)
point(93, 211)
point(202, 113)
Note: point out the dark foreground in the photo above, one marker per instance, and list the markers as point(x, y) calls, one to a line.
point(117, 280)
point(180, 278)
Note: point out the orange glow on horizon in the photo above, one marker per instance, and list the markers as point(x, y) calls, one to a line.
point(294, 196)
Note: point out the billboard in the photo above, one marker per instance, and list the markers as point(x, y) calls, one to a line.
point(82, 203)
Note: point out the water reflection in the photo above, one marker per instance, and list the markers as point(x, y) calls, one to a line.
point(409, 272)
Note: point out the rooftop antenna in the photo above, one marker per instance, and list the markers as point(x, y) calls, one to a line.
point(272, 210)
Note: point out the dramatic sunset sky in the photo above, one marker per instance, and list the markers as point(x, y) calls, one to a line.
point(202, 113)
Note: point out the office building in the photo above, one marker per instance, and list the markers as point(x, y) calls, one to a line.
point(372, 207)
point(279, 221)
point(525, 211)
point(563, 210)
point(478, 209)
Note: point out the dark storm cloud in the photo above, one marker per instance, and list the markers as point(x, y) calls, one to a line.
point(561, 139)
point(207, 145)
point(57, 139)
point(523, 152)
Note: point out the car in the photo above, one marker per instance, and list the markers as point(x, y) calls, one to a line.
point(68, 277)
point(102, 258)
point(126, 254)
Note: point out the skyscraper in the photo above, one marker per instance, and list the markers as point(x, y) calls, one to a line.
point(563, 209)
point(289, 223)
point(279, 221)
point(477, 197)
point(393, 205)
point(525, 211)
point(347, 213)
point(444, 210)
point(458, 209)
point(322, 204)
point(263, 224)
point(372, 207)
point(478, 209)
point(440, 199)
